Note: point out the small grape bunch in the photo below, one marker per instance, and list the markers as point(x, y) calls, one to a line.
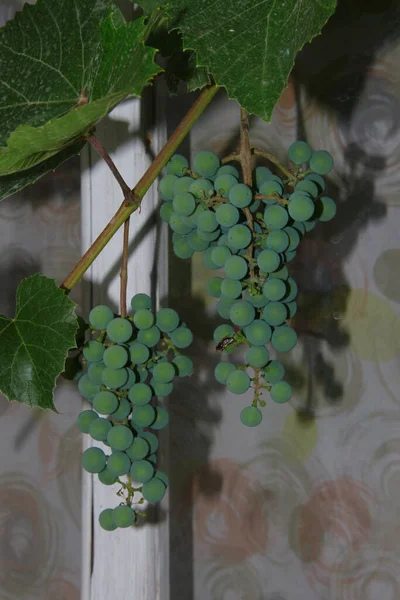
point(128, 363)
point(248, 234)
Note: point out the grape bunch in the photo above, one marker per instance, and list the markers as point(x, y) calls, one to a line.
point(128, 363)
point(248, 234)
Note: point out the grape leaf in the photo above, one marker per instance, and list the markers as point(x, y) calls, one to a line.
point(10, 184)
point(248, 47)
point(34, 345)
point(63, 67)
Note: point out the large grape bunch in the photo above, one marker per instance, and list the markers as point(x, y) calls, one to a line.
point(248, 235)
point(127, 365)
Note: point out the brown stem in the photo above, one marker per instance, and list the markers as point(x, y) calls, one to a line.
point(230, 158)
point(246, 163)
point(124, 270)
point(101, 151)
point(127, 208)
point(275, 161)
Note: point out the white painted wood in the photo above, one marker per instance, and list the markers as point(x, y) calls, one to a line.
point(129, 563)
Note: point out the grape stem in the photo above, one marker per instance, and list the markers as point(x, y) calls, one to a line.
point(138, 192)
point(272, 197)
point(124, 270)
point(246, 164)
point(271, 158)
point(258, 386)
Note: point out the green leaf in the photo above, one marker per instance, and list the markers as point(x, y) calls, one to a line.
point(34, 345)
point(10, 184)
point(248, 47)
point(64, 66)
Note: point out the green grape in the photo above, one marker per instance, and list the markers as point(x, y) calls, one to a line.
point(238, 382)
point(161, 389)
point(275, 313)
point(207, 221)
point(166, 187)
point(300, 153)
point(242, 313)
point(162, 476)
point(209, 236)
point(274, 289)
point(224, 183)
point(182, 337)
point(223, 331)
point(274, 371)
point(268, 188)
point(258, 332)
point(268, 261)
point(193, 218)
point(143, 416)
point(309, 225)
point(300, 207)
point(220, 255)
point(317, 179)
point(93, 351)
point(139, 449)
point(196, 243)
point(182, 185)
point(164, 372)
point(292, 309)
point(93, 460)
point(184, 204)
point(151, 439)
point(84, 420)
point(262, 174)
point(153, 490)
point(123, 410)
point(123, 516)
point(143, 318)
point(239, 236)
point(142, 471)
point(120, 437)
point(149, 337)
point(294, 238)
point(100, 316)
point(257, 300)
point(115, 357)
point(224, 307)
point(275, 217)
point(228, 169)
point(114, 378)
point(94, 372)
point(236, 267)
point(253, 207)
point(179, 224)
point(201, 188)
point(284, 338)
point(162, 418)
point(213, 287)
point(227, 215)
point(257, 357)
point(152, 458)
point(240, 195)
point(292, 290)
point(222, 370)
point(183, 364)
point(99, 429)
point(142, 373)
point(299, 227)
point(106, 520)
point(206, 163)
point(288, 256)
point(251, 416)
point(106, 477)
point(140, 301)
point(167, 320)
point(281, 392)
point(231, 288)
point(308, 186)
point(140, 394)
point(166, 211)
point(139, 353)
point(132, 378)
point(118, 463)
point(278, 240)
point(321, 162)
point(176, 165)
point(326, 208)
point(119, 330)
point(87, 388)
point(282, 273)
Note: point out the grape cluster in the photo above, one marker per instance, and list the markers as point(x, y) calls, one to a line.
point(128, 363)
point(249, 233)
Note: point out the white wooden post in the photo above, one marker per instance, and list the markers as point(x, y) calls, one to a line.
point(129, 563)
